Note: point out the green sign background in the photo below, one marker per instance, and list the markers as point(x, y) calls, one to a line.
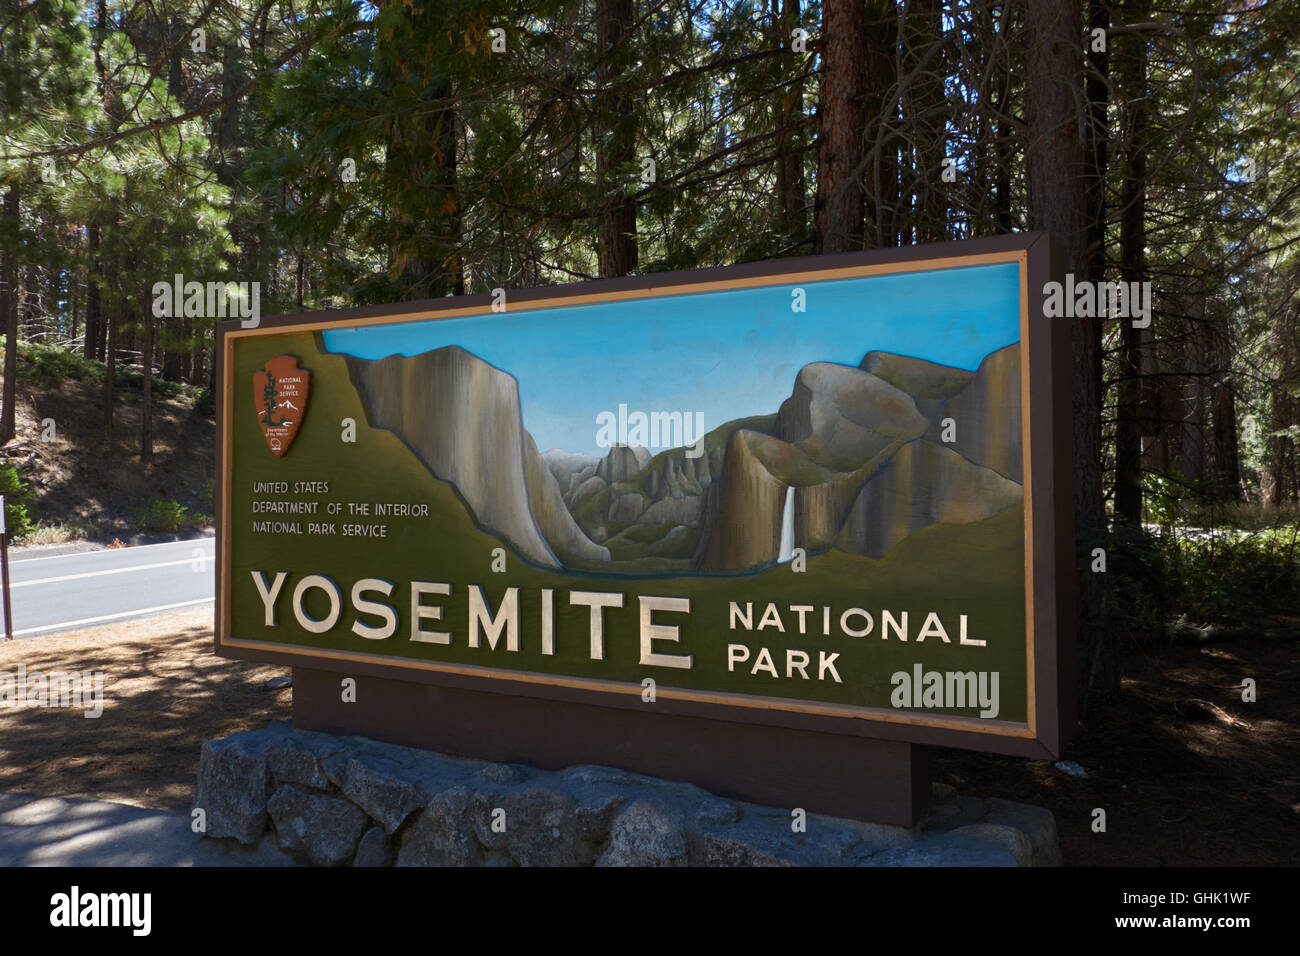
point(949, 569)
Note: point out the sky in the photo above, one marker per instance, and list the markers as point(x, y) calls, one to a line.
point(726, 354)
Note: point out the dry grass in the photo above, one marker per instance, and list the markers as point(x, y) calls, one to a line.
point(165, 693)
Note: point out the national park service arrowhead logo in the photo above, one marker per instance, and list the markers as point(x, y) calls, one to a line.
point(280, 396)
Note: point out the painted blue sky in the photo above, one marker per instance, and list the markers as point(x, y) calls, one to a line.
point(728, 354)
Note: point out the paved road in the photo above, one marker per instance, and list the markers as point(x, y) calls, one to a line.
point(72, 591)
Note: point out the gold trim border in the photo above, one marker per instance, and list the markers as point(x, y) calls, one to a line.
point(1027, 730)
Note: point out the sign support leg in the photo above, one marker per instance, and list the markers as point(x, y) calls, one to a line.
point(858, 778)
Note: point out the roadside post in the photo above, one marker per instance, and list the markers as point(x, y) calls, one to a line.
point(4, 570)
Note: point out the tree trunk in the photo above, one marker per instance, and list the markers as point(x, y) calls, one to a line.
point(74, 302)
point(95, 327)
point(789, 165)
point(1282, 463)
point(420, 165)
point(94, 314)
point(29, 300)
point(1057, 175)
point(146, 401)
point(101, 340)
point(110, 371)
point(1135, 394)
point(924, 69)
point(9, 316)
point(198, 367)
point(1192, 400)
point(616, 141)
point(841, 119)
point(1098, 89)
point(883, 196)
point(1003, 147)
point(1227, 479)
point(186, 371)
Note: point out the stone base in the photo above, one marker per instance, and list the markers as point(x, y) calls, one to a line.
point(334, 801)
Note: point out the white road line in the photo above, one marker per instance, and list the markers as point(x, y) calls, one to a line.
point(95, 574)
point(82, 554)
point(111, 617)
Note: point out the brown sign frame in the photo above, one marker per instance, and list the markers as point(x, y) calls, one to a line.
point(1048, 492)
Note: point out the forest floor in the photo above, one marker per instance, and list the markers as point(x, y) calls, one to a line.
point(1187, 773)
point(1180, 785)
point(86, 486)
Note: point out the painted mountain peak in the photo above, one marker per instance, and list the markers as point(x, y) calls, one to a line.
point(461, 417)
point(854, 460)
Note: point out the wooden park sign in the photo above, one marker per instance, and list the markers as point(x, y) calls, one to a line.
point(773, 529)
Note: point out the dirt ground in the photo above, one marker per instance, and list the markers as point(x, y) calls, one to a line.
point(1182, 784)
point(165, 693)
